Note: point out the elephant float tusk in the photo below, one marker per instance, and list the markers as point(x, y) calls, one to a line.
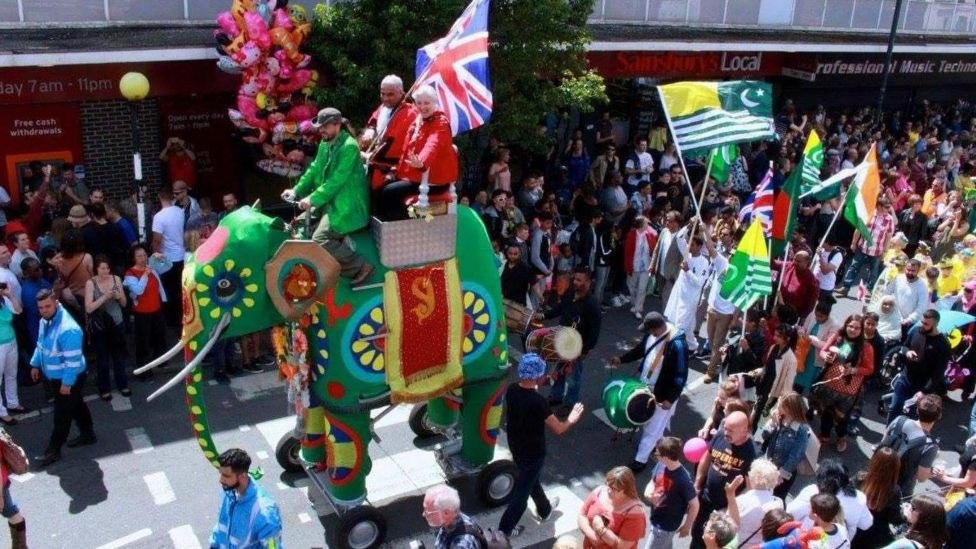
point(224, 321)
point(165, 356)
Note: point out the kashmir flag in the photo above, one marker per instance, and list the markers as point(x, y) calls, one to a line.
point(787, 201)
point(703, 115)
point(748, 277)
point(862, 198)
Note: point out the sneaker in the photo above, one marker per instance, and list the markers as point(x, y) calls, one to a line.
point(266, 360)
point(517, 531)
point(252, 367)
point(553, 503)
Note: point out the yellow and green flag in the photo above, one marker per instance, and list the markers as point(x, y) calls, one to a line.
point(703, 115)
point(748, 277)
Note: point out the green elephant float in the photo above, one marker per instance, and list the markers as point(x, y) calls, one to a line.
point(432, 332)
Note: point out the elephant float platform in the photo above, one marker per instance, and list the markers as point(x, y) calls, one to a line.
point(427, 329)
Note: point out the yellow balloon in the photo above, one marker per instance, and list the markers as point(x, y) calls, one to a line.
point(134, 86)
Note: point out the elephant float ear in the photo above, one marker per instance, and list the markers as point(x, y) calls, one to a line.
point(299, 275)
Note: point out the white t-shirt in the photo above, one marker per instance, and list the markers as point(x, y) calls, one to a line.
point(715, 300)
point(646, 164)
point(753, 506)
point(8, 276)
point(857, 516)
point(16, 258)
point(837, 540)
point(828, 280)
point(168, 222)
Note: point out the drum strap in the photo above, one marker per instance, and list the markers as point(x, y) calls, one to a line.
point(660, 355)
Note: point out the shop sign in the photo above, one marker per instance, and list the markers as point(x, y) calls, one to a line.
point(667, 65)
point(904, 68)
point(24, 85)
point(49, 133)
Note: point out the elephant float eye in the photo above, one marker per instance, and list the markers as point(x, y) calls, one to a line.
point(225, 288)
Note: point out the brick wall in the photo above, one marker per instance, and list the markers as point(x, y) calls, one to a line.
point(107, 143)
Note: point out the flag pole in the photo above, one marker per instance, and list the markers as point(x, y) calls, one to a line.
point(701, 200)
point(782, 269)
point(834, 220)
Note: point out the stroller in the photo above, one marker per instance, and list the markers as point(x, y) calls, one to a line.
point(895, 362)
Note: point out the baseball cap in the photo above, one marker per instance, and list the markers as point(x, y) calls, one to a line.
point(327, 115)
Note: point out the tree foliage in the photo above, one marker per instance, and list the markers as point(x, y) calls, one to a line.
point(537, 56)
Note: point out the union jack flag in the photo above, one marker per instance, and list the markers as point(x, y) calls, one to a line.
point(760, 203)
point(457, 67)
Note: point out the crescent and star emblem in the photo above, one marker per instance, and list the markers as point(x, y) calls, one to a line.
point(744, 97)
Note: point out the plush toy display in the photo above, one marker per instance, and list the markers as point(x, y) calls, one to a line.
point(260, 40)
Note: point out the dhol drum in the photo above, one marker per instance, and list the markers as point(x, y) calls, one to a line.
point(517, 317)
point(628, 403)
point(555, 344)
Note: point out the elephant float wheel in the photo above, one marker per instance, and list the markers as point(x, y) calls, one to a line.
point(496, 482)
point(419, 423)
point(361, 527)
point(287, 453)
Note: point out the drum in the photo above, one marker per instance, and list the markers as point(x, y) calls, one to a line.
point(517, 317)
point(555, 344)
point(628, 403)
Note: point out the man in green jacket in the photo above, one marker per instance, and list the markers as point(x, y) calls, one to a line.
point(336, 181)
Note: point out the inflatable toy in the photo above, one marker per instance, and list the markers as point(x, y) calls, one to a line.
point(695, 449)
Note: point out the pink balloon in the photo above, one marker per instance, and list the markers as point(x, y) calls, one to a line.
point(695, 449)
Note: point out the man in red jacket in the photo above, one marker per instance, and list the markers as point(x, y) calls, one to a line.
point(391, 122)
point(800, 287)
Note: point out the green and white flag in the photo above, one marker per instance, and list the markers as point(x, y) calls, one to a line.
point(748, 277)
point(703, 115)
point(812, 163)
point(721, 158)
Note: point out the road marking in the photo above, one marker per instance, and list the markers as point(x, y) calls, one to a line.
point(123, 541)
point(23, 478)
point(244, 428)
point(255, 385)
point(212, 382)
point(184, 538)
point(160, 488)
point(261, 454)
point(303, 518)
point(139, 440)
point(122, 404)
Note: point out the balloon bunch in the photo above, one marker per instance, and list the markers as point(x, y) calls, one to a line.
point(260, 40)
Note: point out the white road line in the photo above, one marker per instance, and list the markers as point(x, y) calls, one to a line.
point(122, 404)
point(123, 541)
point(139, 440)
point(261, 454)
point(160, 488)
point(303, 518)
point(184, 538)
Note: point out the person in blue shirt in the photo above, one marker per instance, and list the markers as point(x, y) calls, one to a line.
point(248, 517)
point(59, 357)
point(961, 523)
point(115, 217)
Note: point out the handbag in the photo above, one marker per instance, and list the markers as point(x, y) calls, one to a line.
point(13, 455)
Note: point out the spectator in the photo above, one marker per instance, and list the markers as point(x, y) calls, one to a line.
point(848, 362)
point(671, 493)
point(604, 165)
point(96, 196)
point(613, 515)
point(180, 162)
point(71, 188)
point(540, 256)
point(749, 508)
point(7, 276)
point(495, 216)
point(785, 438)
point(455, 530)
point(926, 519)
point(577, 162)
point(613, 198)
point(639, 166)
point(730, 453)
point(22, 250)
point(114, 216)
point(104, 301)
point(167, 239)
point(499, 174)
point(230, 203)
point(75, 268)
point(912, 441)
point(926, 358)
point(516, 277)
point(719, 532)
point(800, 287)
point(824, 511)
point(639, 245)
point(778, 373)
point(9, 509)
point(879, 482)
point(113, 242)
point(826, 262)
point(961, 525)
point(144, 283)
point(9, 306)
point(527, 416)
point(833, 478)
point(32, 285)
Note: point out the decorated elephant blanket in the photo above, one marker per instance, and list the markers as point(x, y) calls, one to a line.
point(425, 323)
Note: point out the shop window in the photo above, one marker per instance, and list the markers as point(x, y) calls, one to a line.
point(63, 11)
point(8, 11)
point(838, 14)
point(624, 10)
point(709, 11)
point(866, 14)
point(743, 12)
point(207, 10)
point(141, 10)
point(808, 13)
point(668, 10)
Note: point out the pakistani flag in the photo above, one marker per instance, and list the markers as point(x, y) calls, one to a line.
point(703, 115)
point(748, 277)
point(812, 162)
point(721, 158)
point(788, 198)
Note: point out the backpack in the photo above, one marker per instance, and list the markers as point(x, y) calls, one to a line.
point(13, 455)
point(897, 439)
point(490, 539)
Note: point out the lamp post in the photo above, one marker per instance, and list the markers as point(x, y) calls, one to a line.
point(135, 87)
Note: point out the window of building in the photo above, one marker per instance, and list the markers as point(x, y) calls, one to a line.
point(141, 10)
point(63, 11)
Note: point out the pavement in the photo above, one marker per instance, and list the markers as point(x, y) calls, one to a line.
point(145, 484)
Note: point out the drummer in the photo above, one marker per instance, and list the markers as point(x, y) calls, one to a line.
point(664, 363)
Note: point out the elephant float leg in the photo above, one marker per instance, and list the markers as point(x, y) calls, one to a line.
point(481, 419)
point(346, 441)
point(443, 413)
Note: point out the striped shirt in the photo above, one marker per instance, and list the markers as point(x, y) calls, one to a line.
point(882, 227)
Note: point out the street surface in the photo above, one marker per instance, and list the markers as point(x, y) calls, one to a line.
point(145, 484)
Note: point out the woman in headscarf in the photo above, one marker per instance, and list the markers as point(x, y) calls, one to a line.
point(428, 155)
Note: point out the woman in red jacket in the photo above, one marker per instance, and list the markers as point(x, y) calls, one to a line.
point(429, 151)
point(638, 253)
